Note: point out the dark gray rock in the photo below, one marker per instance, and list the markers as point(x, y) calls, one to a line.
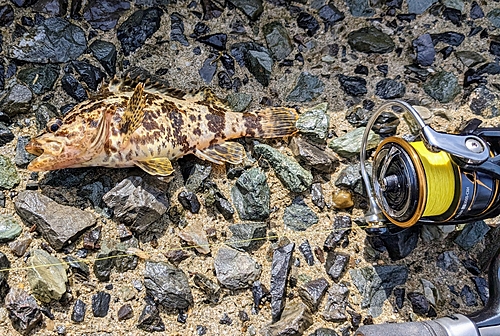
point(330, 14)
point(307, 252)
point(125, 312)
point(370, 40)
point(277, 40)
point(307, 88)
point(315, 123)
point(335, 308)
point(376, 284)
point(234, 269)
point(136, 203)
point(251, 195)
point(443, 87)
point(89, 74)
point(189, 201)
point(335, 265)
point(100, 304)
point(476, 12)
point(312, 293)
point(448, 261)
point(280, 268)
point(256, 58)
point(259, 295)
point(9, 229)
point(78, 268)
point(342, 226)
point(168, 285)
point(6, 15)
point(104, 14)
point(208, 69)
point(54, 41)
point(251, 8)
point(350, 178)
point(238, 101)
point(317, 196)
point(360, 8)
point(295, 319)
point(197, 174)
point(17, 101)
point(399, 245)
point(468, 296)
point(22, 157)
point(23, 309)
point(424, 47)
point(105, 53)
point(298, 216)
point(247, 236)
point(138, 27)
point(177, 29)
point(78, 314)
point(4, 276)
point(150, 319)
point(353, 85)
point(419, 6)
point(472, 234)
point(40, 79)
point(494, 17)
point(216, 41)
point(290, 172)
point(324, 332)
point(482, 288)
point(484, 102)
point(74, 88)
point(59, 224)
point(420, 305)
point(390, 89)
point(44, 114)
point(47, 283)
point(208, 287)
point(6, 135)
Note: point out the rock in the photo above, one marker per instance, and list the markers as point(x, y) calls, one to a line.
point(54, 41)
point(308, 22)
point(370, 40)
point(78, 314)
point(210, 10)
point(468, 296)
point(483, 102)
point(350, 178)
point(482, 289)
point(51, 7)
point(105, 53)
point(168, 285)
point(18, 247)
point(208, 287)
point(360, 8)
point(424, 48)
point(105, 14)
point(312, 293)
point(324, 332)
point(336, 303)
point(494, 17)
point(250, 195)
point(247, 236)
point(17, 101)
point(189, 201)
point(295, 319)
point(401, 244)
point(420, 304)
point(342, 226)
point(150, 319)
point(419, 6)
point(251, 8)
point(6, 135)
point(259, 295)
point(317, 196)
point(40, 79)
point(136, 203)
point(226, 320)
point(196, 237)
point(306, 251)
point(280, 268)
point(138, 27)
point(277, 40)
point(330, 14)
point(9, 229)
point(443, 87)
point(349, 144)
point(74, 88)
point(89, 74)
point(125, 312)
point(476, 11)
point(256, 58)
point(451, 38)
point(376, 284)
point(59, 224)
point(298, 216)
point(431, 292)
point(399, 295)
point(6, 15)
point(238, 102)
point(177, 29)
point(78, 268)
point(234, 269)
point(342, 199)
point(471, 266)
point(335, 264)
point(354, 86)
point(49, 282)
point(448, 261)
point(4, 276)
point(314, 122)
point(214, 197)
point(196, 175)
point(100, 304)
point(472, 234)
point(22, 157)
point(208, 69)
point(44, 114)
point(24, 312)
point(390, 89)
point(291, 174)
point(307, 88)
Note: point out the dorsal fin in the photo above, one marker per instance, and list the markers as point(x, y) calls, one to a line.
point(151, 85)
point(206, 96)
point(134, 114)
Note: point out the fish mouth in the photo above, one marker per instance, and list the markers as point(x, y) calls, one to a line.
point(34, 147)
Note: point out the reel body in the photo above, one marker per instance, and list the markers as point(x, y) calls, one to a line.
point(435, 178)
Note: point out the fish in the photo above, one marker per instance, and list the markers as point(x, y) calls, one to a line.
point(148, 125)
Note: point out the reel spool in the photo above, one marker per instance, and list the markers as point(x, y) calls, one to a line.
point(439, 179)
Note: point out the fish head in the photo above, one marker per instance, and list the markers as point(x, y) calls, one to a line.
point(73, 141)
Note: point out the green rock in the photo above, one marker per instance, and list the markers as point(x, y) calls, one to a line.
point(307, 88)
point(290, 172)
point(349, 144)
point(454, 4)
point(277, 40)
point(9, 229)
point(40, 79)
point(370, 40)
point(443, 87)
point(251, 8)
point(360, 8)
point(260, 64)
point(494, 17)
point(298, 216)
point(251, 195)
point(239, 101)
point(419, 6)
point(469, 58)
point(314, 122)
point(8, 173)
point(47, 282)
point(247, 236)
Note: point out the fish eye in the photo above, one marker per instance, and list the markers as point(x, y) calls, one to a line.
point(54, 125)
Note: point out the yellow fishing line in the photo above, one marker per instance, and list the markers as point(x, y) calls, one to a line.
point(440, 179)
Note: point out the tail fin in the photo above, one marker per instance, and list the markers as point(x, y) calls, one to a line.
point(271, 122)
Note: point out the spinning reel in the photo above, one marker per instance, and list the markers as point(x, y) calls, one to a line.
point(431, 177)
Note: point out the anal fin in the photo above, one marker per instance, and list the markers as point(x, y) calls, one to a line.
point(231, 152)
point(156, 166)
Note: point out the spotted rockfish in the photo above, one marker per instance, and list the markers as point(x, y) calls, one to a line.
point(148, 125)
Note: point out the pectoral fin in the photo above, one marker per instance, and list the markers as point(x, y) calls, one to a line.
point(231, 152)
point(156, 166)
point(134, 114)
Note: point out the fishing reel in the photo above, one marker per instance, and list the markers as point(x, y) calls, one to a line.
point(431, 177)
